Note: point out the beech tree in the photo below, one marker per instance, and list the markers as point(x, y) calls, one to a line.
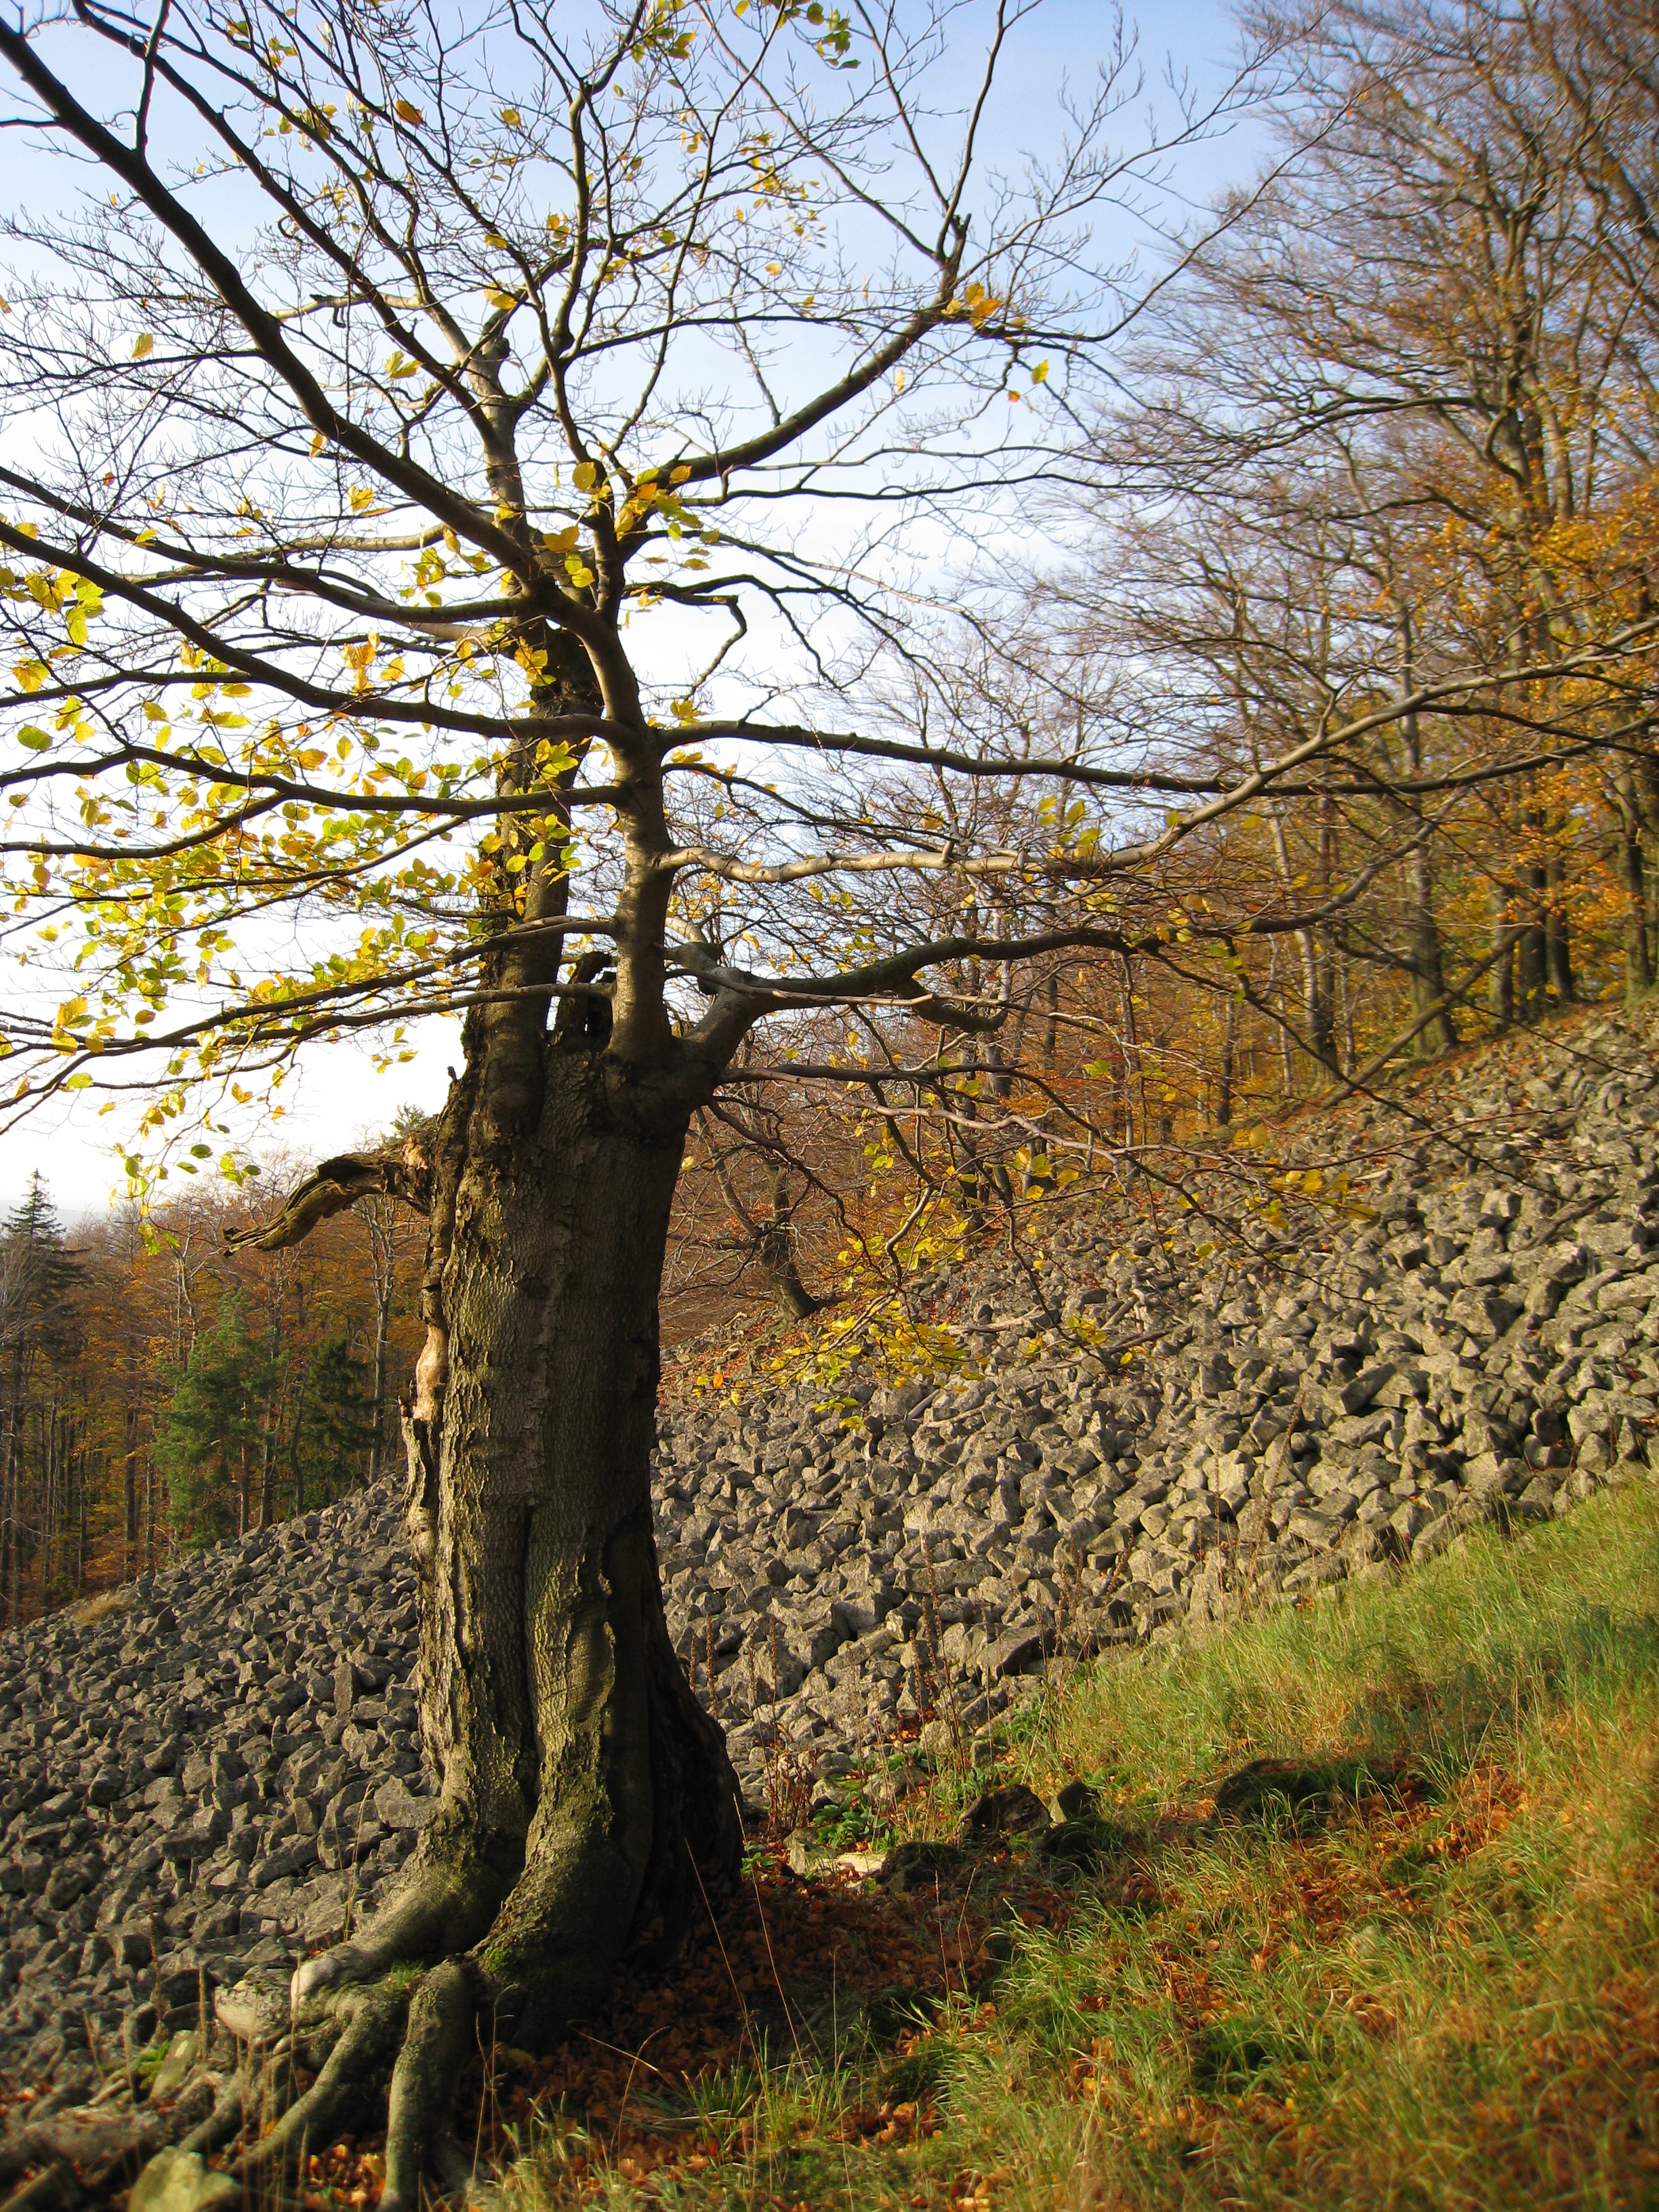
point(404, 430)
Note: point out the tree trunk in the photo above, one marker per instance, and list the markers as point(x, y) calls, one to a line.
point(1424, 957)
point(773, 1235)
point(1531, 953)
point(1223, 1101)
point(1500, 978)
point(130, 1491)
point(1557, 934)
point(382, 1323)
point(1439, 1033)
point(1639, 966)
point(296, 1471)
point(585, 1796)
point(777, 1251)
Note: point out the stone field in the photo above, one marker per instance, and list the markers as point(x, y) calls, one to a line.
point(225, 1767)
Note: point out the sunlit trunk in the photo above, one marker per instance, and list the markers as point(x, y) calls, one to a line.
point(585, 1793)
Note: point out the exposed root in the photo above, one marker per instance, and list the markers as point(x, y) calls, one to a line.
point(443, 1904)
point(436, 2045)
point(527, 1940)
point(225, 2120)
point(371, 2021)
point(458, 2173)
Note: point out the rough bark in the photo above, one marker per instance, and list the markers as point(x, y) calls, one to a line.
point(1500, 977)
point(579, 1778)
point(587, 1801)
point(383, 1258)
point(1557, 934)
point(1223, 1092)
point(1638, 966)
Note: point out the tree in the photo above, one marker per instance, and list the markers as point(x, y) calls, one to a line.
point(210, 1438)
point(335, 1423)
point(39, 1278)
point(393, 418)
point(390, 1246)
point(1400, 421)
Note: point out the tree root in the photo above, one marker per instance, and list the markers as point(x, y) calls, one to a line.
point(530, 1947)
point(373, 2021)
point(224, 2121)
point(436, 2047)
point(437, 1909)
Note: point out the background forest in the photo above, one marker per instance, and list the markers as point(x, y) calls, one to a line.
point(160, 1393)
point(1380, 485)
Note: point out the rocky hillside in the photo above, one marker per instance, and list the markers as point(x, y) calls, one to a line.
point(222, 1767)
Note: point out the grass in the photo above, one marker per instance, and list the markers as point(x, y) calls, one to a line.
point(1411, 1959)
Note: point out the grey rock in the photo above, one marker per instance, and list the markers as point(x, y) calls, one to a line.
point(214, 1762)
point(179, 2181)
point(400, 1811)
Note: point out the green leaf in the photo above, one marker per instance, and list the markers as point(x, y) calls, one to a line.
point(35, 739)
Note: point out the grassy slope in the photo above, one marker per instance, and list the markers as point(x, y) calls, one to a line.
point(1442, 1991)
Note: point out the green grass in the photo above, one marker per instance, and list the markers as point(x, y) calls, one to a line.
point(1416, 1963)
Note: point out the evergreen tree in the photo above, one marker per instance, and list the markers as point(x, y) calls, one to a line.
point(210, 1440)
point(334, 1427)
point(39, 1278)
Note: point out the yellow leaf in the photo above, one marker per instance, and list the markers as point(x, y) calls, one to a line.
point(360, 498)
point(407, 110)
point(318, 442)
point(510, 116)
point(146, 344)
point(584, 476)
point(1040, 374)
point(499, 299)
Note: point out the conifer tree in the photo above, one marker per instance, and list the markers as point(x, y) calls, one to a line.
point(39, 1280)
point(208, 1443)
